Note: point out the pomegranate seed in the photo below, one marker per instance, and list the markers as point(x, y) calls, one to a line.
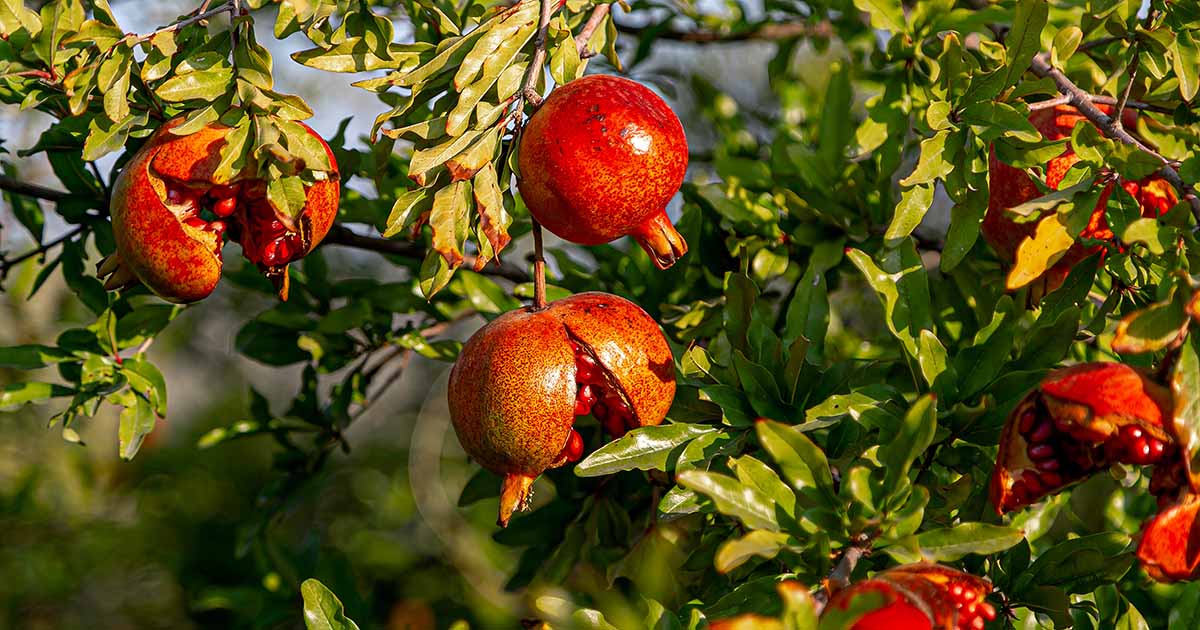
point(1048, 464)
point(1139, 453)
point(956, 590)
point(618, 405)
point(1033, 482)
point(587, 369)
point(268, 253)
point(988, 611)
point(584, 399)
point(1027, 420)
point(614, 426)
point(1156, 448)
point(224, 191)
point(176, 195)
point(1042, 432)
point(574, 448)
point(977, 623)
point(196, 222)
point(217, 226)
point(1051, 479)
point(1041, 451)
point(283, 250)
point(225, 207)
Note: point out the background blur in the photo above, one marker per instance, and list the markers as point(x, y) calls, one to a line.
point(90, 541)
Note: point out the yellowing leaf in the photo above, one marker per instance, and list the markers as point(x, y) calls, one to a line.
point(1038, 253)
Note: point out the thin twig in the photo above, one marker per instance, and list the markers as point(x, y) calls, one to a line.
point(7, 264)
point(1103, 41)
point(585, 35)
point(1100, 100)
point(839, 578)
point(769, 31)
point(14, 185)
point(539, 267)
point(529, 91)
point(199, 17)
point(1086, 106)
point(341, 235)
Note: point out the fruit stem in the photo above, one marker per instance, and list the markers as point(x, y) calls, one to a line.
point(539, 268)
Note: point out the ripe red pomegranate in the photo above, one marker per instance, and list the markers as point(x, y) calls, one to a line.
point(1078, 421)
point(600, 159)
point(521, 381)
point(170, 216)
point(921, 596)
point(1170, 546)
point(1010, 187)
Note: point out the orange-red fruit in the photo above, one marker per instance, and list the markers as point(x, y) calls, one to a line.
point(1170, 547)
point(163, 238)
point(1010, 187)
point(1078, 421)
point(600, 159)
point(515, 390)
point(921, 596)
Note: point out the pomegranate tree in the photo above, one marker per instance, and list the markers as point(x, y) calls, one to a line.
point(171, 213)
point(522, 380)
point(921, 596)
point(1010, 187)
point(600, 159)
point(1078, 421)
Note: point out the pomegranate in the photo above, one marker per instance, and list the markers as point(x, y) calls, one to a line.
point(600, 159)
point(521, 381)
point(1078, 421)
point(921, 596)
point(1170, 546)
point(1011, 187)
point(171, 215)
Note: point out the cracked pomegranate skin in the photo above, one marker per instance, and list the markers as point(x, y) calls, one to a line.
point(181, 263)
point(1078, 421)
point(600, 159)
point(1169, 549)
point(1011, 187)
point(922, 596)
point(513, 390)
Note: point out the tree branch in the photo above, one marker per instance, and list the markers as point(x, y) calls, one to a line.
point(16, 186)
point(1086, 106)
point(585, 34)
point(341, 235)
point(7, 264)
point(1101, 100)
point(529, 91)
point(768, 31)
point(201, 16)
point(839, 578)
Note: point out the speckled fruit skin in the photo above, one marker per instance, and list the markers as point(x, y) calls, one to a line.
point(1088, 405)
point(1010, 187)
point(512, 390)
point(600, 159)
point(921, 596)
point(174, 261)
point(1169, 549)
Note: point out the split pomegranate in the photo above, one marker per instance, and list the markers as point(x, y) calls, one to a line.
point(1078, 421)
point(1010, 187)
point(523, 379)
point(921, 596)
point(1170, 546)
point(599, 160)
point(170, 217)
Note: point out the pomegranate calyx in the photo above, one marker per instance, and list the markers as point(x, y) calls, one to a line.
point(661, 240)
point(515, 493)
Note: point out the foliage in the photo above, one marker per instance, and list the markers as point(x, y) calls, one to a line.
point(846, 360)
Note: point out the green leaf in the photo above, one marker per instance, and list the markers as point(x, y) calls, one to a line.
point(14, 395)
point(734, 552)
point(913, 435)
point(1064, 45)
point(1185, 56)
point(802, 462)
point(952, 543)
point(732, 499)
point(137, 421)
point(885, 14)
point(1024, 41)
point(322, 609)
point(910, 211)
point(644, 448)
point(932, 164)
point(32, 356)
point(203, 85)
